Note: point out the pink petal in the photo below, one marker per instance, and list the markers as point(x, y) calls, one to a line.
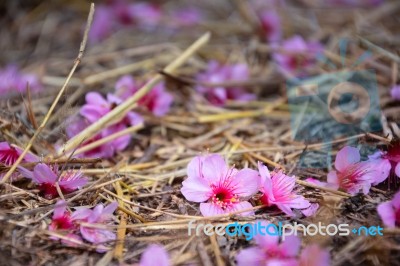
point(210, 209)
point(82, 213)
point(154, 255)
point(396, 201)
point(310, 211)
point(196, 189)
point(381, 169)
point(194, 167)
point(387, 214)
point(43, 174)
point(290, 246)
point(244, 205)
point(214, 168)
point(93, 112)
point(264, 172)
point(397, 170)
point(25, 172)
point(250, 256)
point(246, 182)
point(96, 98)
point(96, 235)
point(346, 157)
point(332, 178)
point(285, 208)
point(59, 209)
point(313, 255)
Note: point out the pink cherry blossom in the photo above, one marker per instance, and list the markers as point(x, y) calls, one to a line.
point(9, 154)
point(277, 190)
point(217, 74)
point(62, 220)
point(154, 255)
point(388, 161)
point(390, 211)
point(296, 56)
point(94, 109)
point(158, 100)
point(271, 25)
point(99, 215)
point(395, 92)
point(314, 255)
point(117, 14)
point(13, 81)
point(220, 189)
point(352, 175)
point(46, 176)
point(61, 217)
point(270, 251)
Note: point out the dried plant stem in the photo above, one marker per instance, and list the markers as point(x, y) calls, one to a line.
point(130, 102)
point(121, 231)
point(53, 106)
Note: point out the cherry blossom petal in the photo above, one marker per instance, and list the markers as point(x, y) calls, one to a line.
point(43, 174)
point(346, 157)
point(247, 182)
point(387, 214)
point(154, 255)
point(214, 168)
point(196, 189)
point(211, 209)
point(250, 256)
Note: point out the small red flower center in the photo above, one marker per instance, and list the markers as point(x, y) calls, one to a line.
point(223, 196)
point(393, 153)
point(9, 157)
point(351, 177)
point(64, 222)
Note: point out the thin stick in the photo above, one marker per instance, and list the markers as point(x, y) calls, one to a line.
point(130, 102)
point(53, 106)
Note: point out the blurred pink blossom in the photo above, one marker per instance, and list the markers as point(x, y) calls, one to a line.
point(62, 220)
point(390, 211)
point(157, 100)
point(395, 92)
point(296, 56)
point(13, 81)
point(216, 74)
point(271, 25)
point(220, 189)
point(270, 251)
point(154, 255)
point(94, 109)
point(188, 16)
point(353, 175)
point(314, 255)
point(277, 190)
point(46, 177)
point(117, 14)
point(99, 215)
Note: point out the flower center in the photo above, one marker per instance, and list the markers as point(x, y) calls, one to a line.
point(63, 222)
point(393, 153)
point(9, 157)
point(223, 196)
point(351, 177)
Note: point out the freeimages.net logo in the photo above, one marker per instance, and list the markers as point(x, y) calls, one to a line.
point(333, 105)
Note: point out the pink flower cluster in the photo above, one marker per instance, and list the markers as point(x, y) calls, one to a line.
point(77, 224)
point(353, 175)
point(157, 101)
point(220, 189)
point(46, 177)
point(119, 13)
point(217, 74)
point(296, 56)
point(269, 250)
point(13, 81)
